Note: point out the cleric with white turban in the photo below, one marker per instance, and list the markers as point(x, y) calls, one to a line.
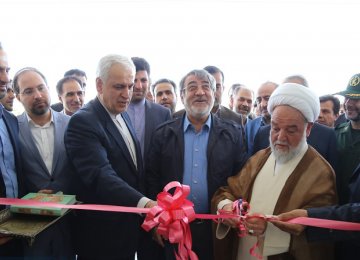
point(298, 97)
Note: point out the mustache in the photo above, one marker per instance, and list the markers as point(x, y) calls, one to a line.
point(280, 143)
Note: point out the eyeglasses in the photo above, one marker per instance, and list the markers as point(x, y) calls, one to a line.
point(194, 88)
point(31, 91)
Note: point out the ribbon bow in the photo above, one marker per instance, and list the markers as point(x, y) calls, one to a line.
point(172, 216)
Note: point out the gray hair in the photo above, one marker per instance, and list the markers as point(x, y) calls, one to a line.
point(201, 74)
point(107, 61)
point(300, 79)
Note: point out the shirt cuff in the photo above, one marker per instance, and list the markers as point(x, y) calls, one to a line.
point(142, 202)
point(223, 203)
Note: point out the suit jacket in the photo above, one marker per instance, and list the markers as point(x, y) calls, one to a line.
point(12, 248)
point(311, 184)
point(225, 155)
point(349, 247)
point(13, 130)
point(58, 107)
point(251, 129)
point(155, 115)
point(321, 137)
point(36, 174)
point(105, 174)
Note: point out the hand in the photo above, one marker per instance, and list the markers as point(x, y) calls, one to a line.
point(231, 222)
point(255, 225)
point(4, 239)
point(46, 191)
point(157, 237)
point(150, 204)
point(295, 229)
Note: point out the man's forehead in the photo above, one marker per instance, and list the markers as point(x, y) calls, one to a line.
point(191, 79)
point(28, 77)
point(3, 59)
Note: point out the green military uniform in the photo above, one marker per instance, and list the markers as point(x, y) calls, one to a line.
point(348, 141)
point(348, 145)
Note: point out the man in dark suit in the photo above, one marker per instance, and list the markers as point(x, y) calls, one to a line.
point(145, 115)
point(199, 150)
point(347, 242)
point(106, 155)
point(10, 170)
point(252, 126)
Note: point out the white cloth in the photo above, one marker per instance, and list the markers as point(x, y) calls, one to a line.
point(266, 190)
point(44, 140)
point(125, 133)
point(298, 97)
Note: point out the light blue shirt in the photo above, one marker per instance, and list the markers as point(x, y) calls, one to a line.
point(7, 162)
point(195, 164)
point(136, 112)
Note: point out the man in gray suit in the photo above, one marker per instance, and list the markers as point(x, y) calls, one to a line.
point(45, 162)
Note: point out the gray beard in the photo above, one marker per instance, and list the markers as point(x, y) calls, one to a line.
point(284, 157)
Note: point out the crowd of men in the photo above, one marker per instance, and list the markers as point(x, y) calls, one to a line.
point(283, 149)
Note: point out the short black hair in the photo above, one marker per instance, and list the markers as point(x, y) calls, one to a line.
point(334, 100)
point(213, 69)
point(163, 81)
point(61, 82)
point(76, 72)
point(141, 64)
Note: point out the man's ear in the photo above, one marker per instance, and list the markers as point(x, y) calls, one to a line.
point(182, 96)
point(308, 128)
point(99, 85)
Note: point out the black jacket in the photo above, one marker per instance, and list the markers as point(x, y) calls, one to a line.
point(165, 161)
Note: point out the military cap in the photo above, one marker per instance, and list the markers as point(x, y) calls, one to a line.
point(353, 88)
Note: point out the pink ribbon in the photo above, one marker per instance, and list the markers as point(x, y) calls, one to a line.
point(172, 216)
point(174, 212)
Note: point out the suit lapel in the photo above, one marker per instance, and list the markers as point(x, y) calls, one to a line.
point(114, 131)
point(28, 140)
point(58, 139)
point(127, 120)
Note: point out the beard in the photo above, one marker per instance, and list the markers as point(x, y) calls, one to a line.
point(285, 156)
point(40, 110)
point(198, 112)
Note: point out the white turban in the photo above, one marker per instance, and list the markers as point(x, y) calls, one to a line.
point(298, 97)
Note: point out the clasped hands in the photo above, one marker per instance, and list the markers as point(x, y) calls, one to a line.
point(256, 225)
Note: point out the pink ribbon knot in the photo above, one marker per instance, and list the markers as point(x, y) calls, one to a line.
point(172, 216)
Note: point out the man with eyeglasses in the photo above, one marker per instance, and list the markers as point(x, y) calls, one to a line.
point(197, 149)
point(10, 162)
point(45, 162)
point(252, 127)
point(71, 94)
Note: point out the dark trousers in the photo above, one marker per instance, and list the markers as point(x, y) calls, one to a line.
point(202, 241)
point(148, 248)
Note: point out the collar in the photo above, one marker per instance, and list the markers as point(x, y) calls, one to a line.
point(188, 124)
point(30, 121)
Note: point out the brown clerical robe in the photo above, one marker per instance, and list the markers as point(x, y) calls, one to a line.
point(311, 184)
